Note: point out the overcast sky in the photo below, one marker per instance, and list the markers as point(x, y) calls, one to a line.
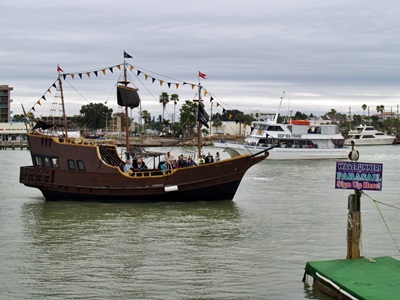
point(323, 54)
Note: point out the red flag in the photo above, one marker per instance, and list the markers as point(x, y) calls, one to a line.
point(202, 75)
point(59, 69)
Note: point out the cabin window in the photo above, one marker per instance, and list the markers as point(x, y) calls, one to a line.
point(262, 127)
point(54, 162)
point(262, 141)
point(47, 162)
point(38, 161)
point(71, 164)
point(81, 165)
point(275, 128)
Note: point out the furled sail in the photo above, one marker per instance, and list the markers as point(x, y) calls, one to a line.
point(127, 96)
point(202, 115)
point(42, 125)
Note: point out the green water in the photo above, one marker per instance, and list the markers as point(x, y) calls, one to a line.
point(254, 247)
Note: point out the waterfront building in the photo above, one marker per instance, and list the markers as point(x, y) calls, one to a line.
point(5, 100)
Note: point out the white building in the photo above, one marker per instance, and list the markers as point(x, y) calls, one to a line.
point(232, 128)
point(12, 131)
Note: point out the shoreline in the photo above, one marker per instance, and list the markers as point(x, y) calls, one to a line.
point(178, 142)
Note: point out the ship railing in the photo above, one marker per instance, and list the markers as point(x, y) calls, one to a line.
point(110, 157)
point(83, 141)
point(148, 173)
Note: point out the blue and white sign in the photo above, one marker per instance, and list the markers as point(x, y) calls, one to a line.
point(358, 176)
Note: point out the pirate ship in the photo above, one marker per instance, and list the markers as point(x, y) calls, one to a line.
point(69, 168)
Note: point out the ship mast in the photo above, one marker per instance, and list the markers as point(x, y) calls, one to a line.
point(62, 102)
point(198, 123)
point(125, 82)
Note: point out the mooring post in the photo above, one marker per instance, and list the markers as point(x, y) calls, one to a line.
point(354, 225)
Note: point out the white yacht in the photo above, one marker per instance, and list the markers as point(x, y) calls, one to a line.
point(297, 139)
point(367, 135)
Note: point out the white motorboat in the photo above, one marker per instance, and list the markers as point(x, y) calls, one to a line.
point(365, 135)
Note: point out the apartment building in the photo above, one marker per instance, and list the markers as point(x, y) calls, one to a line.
point(5, 100)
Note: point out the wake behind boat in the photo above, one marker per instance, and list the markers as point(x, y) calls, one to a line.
point(296, 140)
point(68, 168)
point(365, 135)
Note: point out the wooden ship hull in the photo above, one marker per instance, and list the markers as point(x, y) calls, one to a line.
point(89, 170)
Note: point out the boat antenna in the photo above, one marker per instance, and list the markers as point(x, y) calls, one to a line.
point(59, 70)
point(279, 108)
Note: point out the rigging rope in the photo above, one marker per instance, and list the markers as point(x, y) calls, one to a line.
point(384, 221)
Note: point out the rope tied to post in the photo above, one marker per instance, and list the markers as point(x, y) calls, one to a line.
point(381, 214)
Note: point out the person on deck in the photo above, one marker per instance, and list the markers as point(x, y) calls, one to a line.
point(191, 162)
point(209, 158)
point(163, 167)
point(201, 160)
point(128, 165)
point(217, 157)
point(141, 165)
point(169, 160)
point(135, 166)
point(181, 162)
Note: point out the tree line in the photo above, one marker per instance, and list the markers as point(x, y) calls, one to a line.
point(95, 116)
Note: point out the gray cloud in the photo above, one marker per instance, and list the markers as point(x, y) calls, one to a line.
point(335, 54)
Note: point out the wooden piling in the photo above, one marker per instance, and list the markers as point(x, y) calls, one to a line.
point(354, 225)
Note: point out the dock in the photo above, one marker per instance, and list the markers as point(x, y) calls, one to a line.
point(4, 145)
point(357, 277)
point(374, 278)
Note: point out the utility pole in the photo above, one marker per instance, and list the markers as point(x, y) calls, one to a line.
point(350, 117)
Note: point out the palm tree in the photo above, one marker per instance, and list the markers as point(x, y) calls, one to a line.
point(188, 118)
point(146, 118)
point(380, 108)
point(175, 99)
point(364, 107)
point(333, 111)
point(164, 99)
point(217, 123)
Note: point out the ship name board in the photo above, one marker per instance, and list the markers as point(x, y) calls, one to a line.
point(289, 135)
